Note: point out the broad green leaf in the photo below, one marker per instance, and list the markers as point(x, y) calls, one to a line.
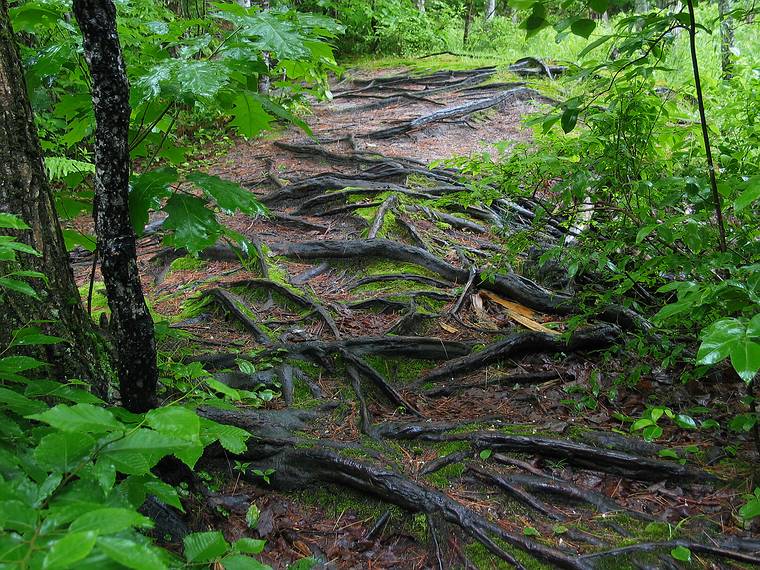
point(732, 337)
point(140, 450)
point(131, 554)
point(63, 451)
point(273, 34)
point(18, 516)
point(749, 195)
point(681, 553)
point(750, 510)
point(16, 364)
point(249, 545)
point(198, 80)
point(19, 403)
point(80, 418)
point(230, 196)
point(231, 438)
point(205, 546)
point(29, 336)
point(110, 521)
point(146, 192)
point(250, 118)
point(718, 339)
point(569, 119)
point(12, 221)
point(70, 549)
point(194, 224)
point(583, 27)
point(18, 286)
point(684, 421)
point(598, 6)
point(240, 562)
point(181, 423)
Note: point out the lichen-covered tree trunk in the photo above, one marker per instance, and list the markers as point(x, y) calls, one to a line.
point(24, 191)
point(726, 38)
point(132, 325)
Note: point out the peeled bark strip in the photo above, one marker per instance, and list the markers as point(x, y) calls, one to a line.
point(132, 324)
point(25, 192)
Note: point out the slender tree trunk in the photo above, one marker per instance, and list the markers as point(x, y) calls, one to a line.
point(265, 83)
point(132, 324)
point(467, 21)
point(421, 6)
point(490, 10)
point(24, 191)
point(726, 38)
point(705, 131)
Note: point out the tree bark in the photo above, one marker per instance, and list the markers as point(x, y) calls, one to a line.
point(24, 191)
point(132, 325)
point(490, 10)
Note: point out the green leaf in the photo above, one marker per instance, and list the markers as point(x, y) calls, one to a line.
point(71, 548)
point(19, 403)
point(110, 521)
point(12, 221)
point(181, 423)
point(485, 454)
point(146, 192)
point(131, 554)
point(681, 553)
point(231, 438)
point(749, 195)
point(275, 35)
point(205, 546)
point(530, 531)
point(63, 451)
point(583, 27)
point(304, 564)
point(140, 450)
point(80, 418)
point(644, 232)
point(732, 337)
point(29, 336)
point(250, 118)
point(18, 286)
point(249, 545)
point(239, 562)
point(194, 224)
point(684, 421)
point(252, 516)
point(569, 119)
point(16, 364)
point(230, 196)
point(598, 6)
point(751, 509)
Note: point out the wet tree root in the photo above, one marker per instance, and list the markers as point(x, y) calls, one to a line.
point(578, 454)
point(241, 311)
point(590, 338)
point(290, 295)
point(508, 380)
point(520, 289)
point(458, 111)
point(423, 348)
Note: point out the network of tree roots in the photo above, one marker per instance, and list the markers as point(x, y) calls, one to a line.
point(420, 422)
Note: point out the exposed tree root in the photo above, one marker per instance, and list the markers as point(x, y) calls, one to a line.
point(579, 454)
point(507, 380)
point(291, 295)
point(512, 285)
point(242, 312)
point(591, 338)
point(457, 111)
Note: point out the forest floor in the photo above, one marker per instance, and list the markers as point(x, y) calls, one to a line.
point(429, 414)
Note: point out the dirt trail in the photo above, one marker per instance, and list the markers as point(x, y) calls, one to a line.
point(424, 419)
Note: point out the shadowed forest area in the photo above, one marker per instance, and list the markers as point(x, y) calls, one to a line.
point(379, 284)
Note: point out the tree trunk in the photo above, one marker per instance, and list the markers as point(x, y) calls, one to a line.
point(490, 10)
point(131, 323)
point(467, 20)
point(726, 38)
point(265, 83)
point(421, 5)
point(24, 191)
